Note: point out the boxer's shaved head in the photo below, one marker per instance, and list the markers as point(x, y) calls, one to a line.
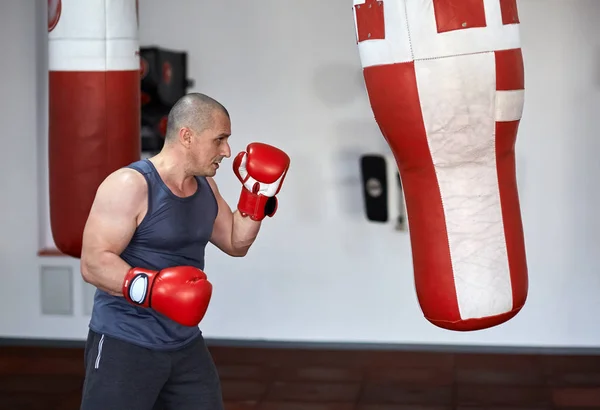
point(198, 129)
point(194, 110)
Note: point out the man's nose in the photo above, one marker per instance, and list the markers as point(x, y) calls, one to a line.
point(227, 150)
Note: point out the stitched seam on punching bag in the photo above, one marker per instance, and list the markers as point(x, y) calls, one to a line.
point(412, 53)
point(454, 55)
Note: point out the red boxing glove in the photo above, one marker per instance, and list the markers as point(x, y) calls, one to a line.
point(261, 169)
point(181, 293)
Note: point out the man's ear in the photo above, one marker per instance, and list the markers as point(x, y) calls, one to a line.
point(185, 136)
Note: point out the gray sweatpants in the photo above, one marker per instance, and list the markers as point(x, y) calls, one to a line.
point(122, 376)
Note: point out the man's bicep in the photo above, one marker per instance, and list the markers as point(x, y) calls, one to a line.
point(113, 216)
point(108, 228)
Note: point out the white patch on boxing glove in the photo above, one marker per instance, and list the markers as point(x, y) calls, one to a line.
point(271, 189)
point(242, 171)
point(263, 189)
point(250, 183)
point(138, 289)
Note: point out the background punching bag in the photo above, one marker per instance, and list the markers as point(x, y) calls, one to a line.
point(446, 84)
point(164, 81)
point(94, 106)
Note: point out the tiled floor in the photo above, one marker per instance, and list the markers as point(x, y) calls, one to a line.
point(290, 379)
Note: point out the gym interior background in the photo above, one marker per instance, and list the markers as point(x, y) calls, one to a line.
point(289, 73)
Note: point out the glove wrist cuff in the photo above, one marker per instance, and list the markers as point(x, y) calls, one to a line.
point(256, 206)
point(137, 286)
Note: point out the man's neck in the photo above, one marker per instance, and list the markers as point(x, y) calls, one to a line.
point(171, 169)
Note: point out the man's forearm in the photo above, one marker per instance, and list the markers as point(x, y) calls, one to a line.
point(244, 233)
point(106, 271)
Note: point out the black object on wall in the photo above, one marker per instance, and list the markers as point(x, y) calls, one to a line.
point(382, 190)
point(163, 81)
point(375, 187)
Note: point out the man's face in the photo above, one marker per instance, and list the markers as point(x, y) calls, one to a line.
point(212, 145)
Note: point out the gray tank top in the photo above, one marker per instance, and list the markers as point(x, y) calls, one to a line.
point(174, 232)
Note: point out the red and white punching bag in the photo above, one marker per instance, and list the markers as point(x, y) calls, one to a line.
point(446, 84)
point(94, 106)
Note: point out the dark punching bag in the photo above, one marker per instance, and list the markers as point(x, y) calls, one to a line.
point(164, 81)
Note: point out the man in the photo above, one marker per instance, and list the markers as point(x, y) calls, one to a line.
point(143, 248)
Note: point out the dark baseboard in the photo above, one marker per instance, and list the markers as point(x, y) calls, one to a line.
point(268, 344)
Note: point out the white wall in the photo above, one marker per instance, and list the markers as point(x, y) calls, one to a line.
point(331, 276)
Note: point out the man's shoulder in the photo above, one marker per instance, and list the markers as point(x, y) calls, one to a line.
point(123, 192)
point(215, 189)
point(126, 180)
